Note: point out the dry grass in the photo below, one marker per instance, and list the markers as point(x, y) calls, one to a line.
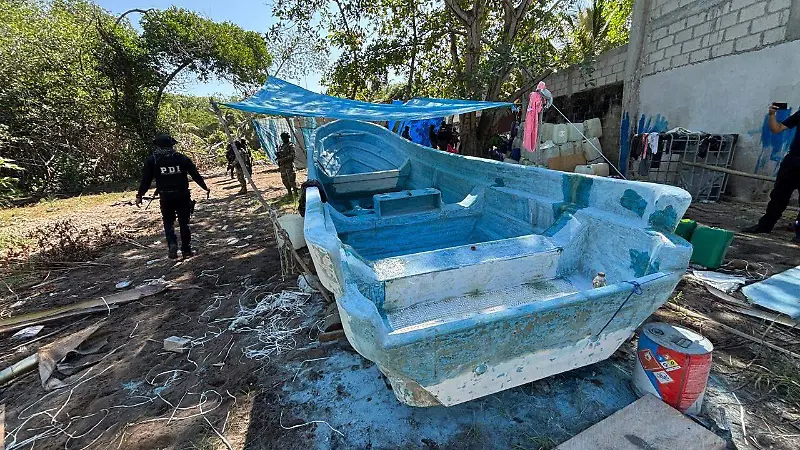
point(17, 224)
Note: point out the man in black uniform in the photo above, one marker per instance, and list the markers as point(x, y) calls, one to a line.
point(787, 181)
point(231, 158)
point(171, 171)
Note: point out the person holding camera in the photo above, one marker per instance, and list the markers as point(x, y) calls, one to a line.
point(788, 178)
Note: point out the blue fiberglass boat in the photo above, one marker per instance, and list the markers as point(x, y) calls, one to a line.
point(460, 277)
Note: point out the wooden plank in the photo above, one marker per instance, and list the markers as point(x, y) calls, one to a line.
point(729, 171)
point(84, 307)
point(745, 308)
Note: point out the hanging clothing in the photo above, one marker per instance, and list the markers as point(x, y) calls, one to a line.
point(535, 107)
point(644, 166)
point(652, 140)
point(635, 147)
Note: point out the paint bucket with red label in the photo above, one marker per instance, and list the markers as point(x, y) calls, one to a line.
point(673, 363)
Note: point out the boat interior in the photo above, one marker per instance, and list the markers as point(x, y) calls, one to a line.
point(488, 235)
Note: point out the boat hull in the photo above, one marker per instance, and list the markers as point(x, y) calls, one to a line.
point(452, 307)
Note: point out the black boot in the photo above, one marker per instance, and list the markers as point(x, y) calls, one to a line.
point(755, 229)
point(173, 252)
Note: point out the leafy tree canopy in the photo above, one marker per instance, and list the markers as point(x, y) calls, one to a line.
point(478, 49)
point(82, 90)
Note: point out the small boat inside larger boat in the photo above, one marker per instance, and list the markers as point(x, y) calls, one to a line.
point(460, 277)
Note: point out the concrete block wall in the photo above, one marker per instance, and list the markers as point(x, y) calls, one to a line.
point(683, 32)
point(714, 66)
point(705, 65)
point(609, 68)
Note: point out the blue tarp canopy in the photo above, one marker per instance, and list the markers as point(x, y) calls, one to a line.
point(280, 98)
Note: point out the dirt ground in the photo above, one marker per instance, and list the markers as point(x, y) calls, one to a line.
point(269, 384)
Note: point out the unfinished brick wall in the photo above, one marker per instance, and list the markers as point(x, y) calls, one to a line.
point(706, 65)
point(683, 32)
point(609, 68)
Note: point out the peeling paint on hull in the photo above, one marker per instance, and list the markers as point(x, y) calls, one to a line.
point(508, 374)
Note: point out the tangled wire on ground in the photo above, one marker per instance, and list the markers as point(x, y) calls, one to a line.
point(273, 320)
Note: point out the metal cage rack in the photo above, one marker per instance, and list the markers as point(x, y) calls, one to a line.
point(681, 159)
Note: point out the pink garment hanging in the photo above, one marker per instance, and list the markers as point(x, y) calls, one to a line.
point(535, 106)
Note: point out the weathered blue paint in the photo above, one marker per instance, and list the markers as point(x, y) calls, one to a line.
point(774, 146)
point(497, 278)
point(575, 191)
point(652, 124)
point(632, 201)
point(624, 142)
point(640, 262)
point(665, 219)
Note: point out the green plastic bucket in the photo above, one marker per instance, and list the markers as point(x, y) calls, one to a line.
point(710, 246)
point(686, 228)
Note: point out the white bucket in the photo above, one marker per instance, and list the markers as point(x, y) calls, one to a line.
point(293, 224)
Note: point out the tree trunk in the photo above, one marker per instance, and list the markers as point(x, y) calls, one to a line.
point(468, 134)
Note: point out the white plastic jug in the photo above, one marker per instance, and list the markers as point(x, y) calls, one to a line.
point(547, 150)
point(546, 132)
point(600, 169)
point(575, 132)
point(589, 151)
point(584, 169)
point(593, 128)
point(560, 134)
point(567, 149)
point(293, 224)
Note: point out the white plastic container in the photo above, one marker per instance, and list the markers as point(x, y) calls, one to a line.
point(589, 152)
point(575, 132)
point(586, 170)
point(560, 134)
point(600, 169)
point(593, 128)
point(293, 224)
point(567, 149)
point(546, 132)
point(548, 150)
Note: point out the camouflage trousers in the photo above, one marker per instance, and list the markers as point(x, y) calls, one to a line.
point(288, 178)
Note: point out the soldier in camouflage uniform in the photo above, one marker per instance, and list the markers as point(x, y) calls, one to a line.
point(285, 159)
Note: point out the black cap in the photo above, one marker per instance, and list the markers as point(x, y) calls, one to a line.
point(285, 135)
point(164, 140)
